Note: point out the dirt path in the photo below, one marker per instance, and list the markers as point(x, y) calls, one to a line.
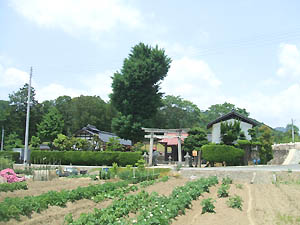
point(166, 188)
point(276, 204)
point(223, 216)
point(263, 204)
point(249, 210)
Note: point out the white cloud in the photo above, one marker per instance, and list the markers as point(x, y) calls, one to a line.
point(52, 91)
point(79, 17)
point(289, 59)
point(176, 49)
point(274, 110)
point(99, 84)
point(11, 77)
point(193, 80)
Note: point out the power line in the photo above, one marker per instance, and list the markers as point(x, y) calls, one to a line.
point(223, 48)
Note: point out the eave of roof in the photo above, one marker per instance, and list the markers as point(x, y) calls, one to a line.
point(172, 141)
point(103, 135)
point(232, 115)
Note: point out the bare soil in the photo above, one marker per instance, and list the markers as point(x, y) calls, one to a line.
point(263, 204)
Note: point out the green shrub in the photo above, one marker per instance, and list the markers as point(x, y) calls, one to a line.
point(235, 202)
point(87, 158)
point(242, 143)
point(5, 187)
point(104, 174)
point(14, 156)
point(208, 205)
point(26, 171)
point(114, 170)
point(164, 179)
point(223, 191)
point(140, 165)
point(136, 176)
point(6, 163)
point(226, 180)
point(239, 186)
point(222, 153)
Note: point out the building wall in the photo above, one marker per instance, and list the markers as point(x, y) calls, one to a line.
point(216, 133)
point(216, 130)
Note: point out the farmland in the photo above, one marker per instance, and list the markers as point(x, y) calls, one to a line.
point(261, 203)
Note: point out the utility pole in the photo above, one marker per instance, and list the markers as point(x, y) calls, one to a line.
point(2, 139)
point(293, 135)
point(27, 121)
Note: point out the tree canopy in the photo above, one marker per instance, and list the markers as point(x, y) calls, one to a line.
point(176, 112)
point(136, 88)
point(51, 125)
point(218, 110)
point(196, 139)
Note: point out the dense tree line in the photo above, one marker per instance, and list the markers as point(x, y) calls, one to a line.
point(136, 102)
point(66, 115)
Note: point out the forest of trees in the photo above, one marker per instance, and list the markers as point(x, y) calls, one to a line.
point(135, 102)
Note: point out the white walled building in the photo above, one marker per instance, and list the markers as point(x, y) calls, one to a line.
point(245, 124)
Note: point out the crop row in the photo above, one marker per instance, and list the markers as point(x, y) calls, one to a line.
point(119, 193)
point(14, 207)
point(150, 208)
point(5, 187)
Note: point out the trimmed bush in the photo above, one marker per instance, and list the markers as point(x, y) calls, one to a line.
point(14, 156)
point(87, 158)
point(223, 153)
point(6, 163)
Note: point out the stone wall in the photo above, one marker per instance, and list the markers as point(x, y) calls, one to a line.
point(286, 146)
point(281, 151)
point(278, 157)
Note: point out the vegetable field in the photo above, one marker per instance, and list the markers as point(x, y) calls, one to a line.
point(166, 200)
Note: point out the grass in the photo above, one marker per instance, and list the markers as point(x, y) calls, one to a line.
point(239, 186)
point(162, 171)
point(284, 219)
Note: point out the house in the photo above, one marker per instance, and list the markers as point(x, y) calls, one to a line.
point(245, 124)
point(90, 131)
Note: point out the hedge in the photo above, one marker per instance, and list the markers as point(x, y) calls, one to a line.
point(86, 158)
point(222, 153)
point(14, 156)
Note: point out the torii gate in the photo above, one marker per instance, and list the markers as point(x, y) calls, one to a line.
point(152, 135)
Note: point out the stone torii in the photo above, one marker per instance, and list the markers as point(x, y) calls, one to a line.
point(152, 135)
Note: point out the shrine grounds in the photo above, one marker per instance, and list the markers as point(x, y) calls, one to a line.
point(272, 199)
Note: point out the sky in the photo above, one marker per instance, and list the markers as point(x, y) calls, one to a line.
point(245, 52)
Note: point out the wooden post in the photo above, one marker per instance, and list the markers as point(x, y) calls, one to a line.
point(179, 148)
point(151, 148)
point(199, 158)
point(166, 152)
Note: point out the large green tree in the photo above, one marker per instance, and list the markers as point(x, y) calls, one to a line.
point(215, 111)
point(136, 89)
point(177, 113)
point(266, 140)
point(4, 112)
point(92, 110)
point(17, 112)
point(196, 139)
point(63, 105)
point(51, 125)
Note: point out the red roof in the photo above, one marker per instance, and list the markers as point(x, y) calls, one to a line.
point(172, 141)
